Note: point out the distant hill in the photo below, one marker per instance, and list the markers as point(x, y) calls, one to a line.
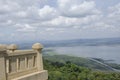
point(83, 42)
point(67, 43)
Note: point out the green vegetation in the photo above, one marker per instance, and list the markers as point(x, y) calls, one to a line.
point(63, 67)
point(70, 71)
point(84, 62)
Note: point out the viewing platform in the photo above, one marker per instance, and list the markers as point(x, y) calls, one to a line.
point(22, 64)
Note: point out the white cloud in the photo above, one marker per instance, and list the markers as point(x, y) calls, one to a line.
point(25, 28)
point(47, 12)
point(21, 14)
point(50, 29)
point(8, 6)
point(113, 18)
point(114, 14)
point(68, 22)
point(76, 9)
point(69, 17)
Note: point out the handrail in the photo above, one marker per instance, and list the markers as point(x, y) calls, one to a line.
point(16, 63)
point(20, 52)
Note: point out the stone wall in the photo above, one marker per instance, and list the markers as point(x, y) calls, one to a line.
point(21, 64)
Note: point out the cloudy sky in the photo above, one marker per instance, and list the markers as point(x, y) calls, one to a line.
point(24, 20)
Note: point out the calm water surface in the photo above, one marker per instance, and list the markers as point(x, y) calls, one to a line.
point(104, 52)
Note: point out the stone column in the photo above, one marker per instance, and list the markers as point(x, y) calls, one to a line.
point(2, 64)
point(38, 48)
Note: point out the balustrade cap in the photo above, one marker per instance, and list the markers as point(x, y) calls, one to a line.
point(12, 47)
point(2, 46)
point(37, 46)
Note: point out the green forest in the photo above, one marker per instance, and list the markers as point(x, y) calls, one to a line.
point(64, 68)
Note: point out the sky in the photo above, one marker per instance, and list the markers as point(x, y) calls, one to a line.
point(26, 20)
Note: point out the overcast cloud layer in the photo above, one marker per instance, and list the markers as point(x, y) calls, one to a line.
point(58, 19)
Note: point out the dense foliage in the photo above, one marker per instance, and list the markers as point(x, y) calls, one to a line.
point(71, 71)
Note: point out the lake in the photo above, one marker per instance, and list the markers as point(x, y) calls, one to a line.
point(104, 52)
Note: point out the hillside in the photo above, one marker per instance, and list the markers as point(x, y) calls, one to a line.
point(71, 71)
point(91, 63)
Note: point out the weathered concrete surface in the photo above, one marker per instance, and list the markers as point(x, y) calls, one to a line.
point(41, 75)
point(2, 65)
point(21, 64)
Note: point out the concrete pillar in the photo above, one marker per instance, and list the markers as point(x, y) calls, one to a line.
point(38, 48)
point(2, 64)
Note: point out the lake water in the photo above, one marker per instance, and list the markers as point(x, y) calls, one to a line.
point(104, 52)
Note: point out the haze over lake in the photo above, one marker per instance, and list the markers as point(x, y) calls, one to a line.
point(107, 49)
point(104, 52)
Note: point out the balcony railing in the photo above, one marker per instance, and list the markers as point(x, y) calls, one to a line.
point(16, 63)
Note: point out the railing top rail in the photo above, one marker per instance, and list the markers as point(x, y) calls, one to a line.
point(20, 52)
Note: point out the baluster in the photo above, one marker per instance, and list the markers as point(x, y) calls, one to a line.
point(7, 66)
point(26, 62)
point(18, 66)
point(32, 61)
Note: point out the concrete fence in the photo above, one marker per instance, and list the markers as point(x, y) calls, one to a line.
point(22, 64)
